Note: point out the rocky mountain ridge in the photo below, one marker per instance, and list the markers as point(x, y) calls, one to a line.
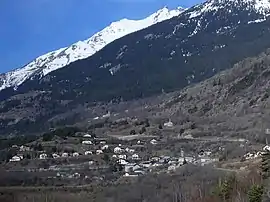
point(54, 60)
point(169, 56)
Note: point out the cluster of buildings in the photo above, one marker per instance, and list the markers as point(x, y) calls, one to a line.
point(102, 148)
point(256, 154)
point(21, 150)
point(135, 165)
point(132, 158)
point(162, 164)
point(87, 141)
point(16, 158)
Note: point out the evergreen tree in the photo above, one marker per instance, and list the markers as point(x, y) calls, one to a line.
point(106, 158)
point(265, 165)
point(255, 193)
point(143, 130)
point(147, 124)
point(225, 188)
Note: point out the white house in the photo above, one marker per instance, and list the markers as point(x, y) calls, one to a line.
point(87, 136)
point(181, 160)
point(129, 167)
point(139, 172)
point(207, 160)
point(105, 147)
point(15, 159)
point(162, 160)
point(153, 142)
point(75, 154)
point(249, 156)
point(76, 175)
point(122, 162)
point(266, 148)
point(43, 156)
point(204, 153)
point(155, 159)
point(157, 164)
point(24, 148)
point(130, 175)
point(132, 167)
point(88, 153)
point(107, 115)
point(135, 157)
point(87, 142)
point(168, 124)
point(55, 155)
point(64, 155)
point(122, 156)
point(189, 159)
point(99, 152)
point(253, 155)
point(117, 150)
point(139, 142)
point(91, 163)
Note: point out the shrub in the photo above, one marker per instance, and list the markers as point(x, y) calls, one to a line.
point(132, 132)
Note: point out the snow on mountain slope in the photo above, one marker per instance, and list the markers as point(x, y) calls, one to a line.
point(212, 8)
point(57, 59)
point(259, 6)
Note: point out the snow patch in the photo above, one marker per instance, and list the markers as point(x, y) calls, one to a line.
point(257, 21)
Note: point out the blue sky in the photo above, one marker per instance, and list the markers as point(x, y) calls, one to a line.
point(30, 28)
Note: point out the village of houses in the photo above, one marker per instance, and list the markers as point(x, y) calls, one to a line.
point(129, 156)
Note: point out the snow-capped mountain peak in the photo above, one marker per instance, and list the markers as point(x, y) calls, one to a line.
point(259, 6)
point(54, 60)
point(245, 11)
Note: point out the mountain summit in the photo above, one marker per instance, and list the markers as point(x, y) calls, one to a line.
point(259, 6)
point(196, 45)
point(54, 60)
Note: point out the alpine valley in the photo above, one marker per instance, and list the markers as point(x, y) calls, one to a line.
point(132, 62)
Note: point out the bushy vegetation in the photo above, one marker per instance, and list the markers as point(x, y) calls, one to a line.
point(189, 184)
point(10, 104)
point(18, 140)
point(61, 132)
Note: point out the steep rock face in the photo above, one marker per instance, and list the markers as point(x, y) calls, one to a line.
point(54, 60)
point(167, 56)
